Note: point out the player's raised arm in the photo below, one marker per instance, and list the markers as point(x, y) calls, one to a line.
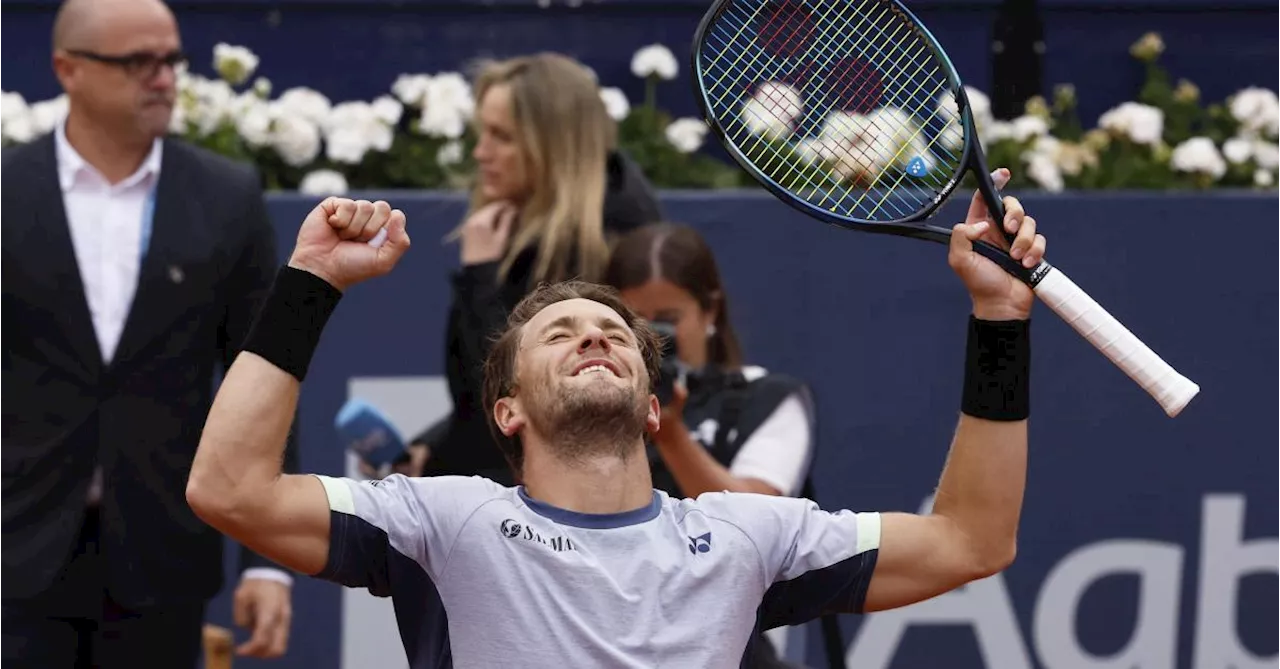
point(972, 530)
point(236, 484)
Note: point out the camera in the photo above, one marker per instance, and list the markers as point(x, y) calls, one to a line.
point(670, 369)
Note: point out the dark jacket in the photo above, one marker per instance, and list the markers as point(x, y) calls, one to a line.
point(211, 258)
point(462, 443)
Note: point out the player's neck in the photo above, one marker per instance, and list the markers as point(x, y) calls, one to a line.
point(595, 484)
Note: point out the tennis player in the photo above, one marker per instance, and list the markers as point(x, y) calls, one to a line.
point(584, 563)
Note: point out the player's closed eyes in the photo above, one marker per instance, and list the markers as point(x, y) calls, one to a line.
point(614, 337)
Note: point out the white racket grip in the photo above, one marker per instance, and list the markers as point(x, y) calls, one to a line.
point(1172, 390)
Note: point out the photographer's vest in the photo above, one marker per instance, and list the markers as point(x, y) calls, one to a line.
point(723, 410)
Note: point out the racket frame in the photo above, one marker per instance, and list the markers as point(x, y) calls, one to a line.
point(913, 226)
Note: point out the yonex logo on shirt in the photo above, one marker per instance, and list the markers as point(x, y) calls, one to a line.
point(700, 544)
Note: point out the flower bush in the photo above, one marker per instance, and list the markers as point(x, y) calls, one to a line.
point(419, 134)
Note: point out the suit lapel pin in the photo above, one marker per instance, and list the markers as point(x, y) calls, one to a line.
point(175, 274)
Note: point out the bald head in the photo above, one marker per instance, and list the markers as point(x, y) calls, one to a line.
point(115, 60)
point(95, 24)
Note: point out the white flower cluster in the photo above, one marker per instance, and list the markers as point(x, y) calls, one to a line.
point(1257, 110)
point(20, 122)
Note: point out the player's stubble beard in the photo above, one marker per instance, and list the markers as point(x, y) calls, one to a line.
point(584, 421)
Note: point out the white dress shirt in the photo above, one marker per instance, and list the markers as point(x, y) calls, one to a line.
point(110, 226)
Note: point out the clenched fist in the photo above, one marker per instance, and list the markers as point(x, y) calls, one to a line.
point(996, 295)
point(342, 241)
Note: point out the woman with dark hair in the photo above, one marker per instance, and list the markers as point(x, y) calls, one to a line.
point(731, 426)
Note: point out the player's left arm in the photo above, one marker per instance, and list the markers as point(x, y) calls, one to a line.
point(972, 530)
point(846, 562)
point(825, 562)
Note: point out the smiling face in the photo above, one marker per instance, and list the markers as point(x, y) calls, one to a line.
point(582, 382)
point(572, 375)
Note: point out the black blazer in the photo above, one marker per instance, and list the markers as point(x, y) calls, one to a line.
point(211, 257)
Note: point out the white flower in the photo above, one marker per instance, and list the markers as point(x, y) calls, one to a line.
point(208, 104)
point(1263, 178)
point(615, 103)
point(1257, 110)
point(1237, 150)
point(235, 64)
point(442, 121)
point(1072, 158)
point(411, 88)
point(16, 123)
point(1142, 124)
point(47, 114)
point(450, 153)
point(323, 182)
point(1198, 155)
point(686, 134)
point(1265, 154)
point(654, 60)
point(979, 105)
point(352, 129)
point(296, 138)
point(254, 122)
point(305, 102)
point(996, 131)
point(388, 109)
point(446, 106)
point(849, 143)
point(12, 104)
point(1028, 127)
point(1044, 171)
point(772, 110)
point(896, 138)
point(262, 87)
point(952, 133)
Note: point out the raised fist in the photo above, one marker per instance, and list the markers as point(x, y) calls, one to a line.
point(346, 241)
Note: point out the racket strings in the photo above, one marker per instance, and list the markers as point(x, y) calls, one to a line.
point(736, 67)
point(847, 104)
point(862, 76)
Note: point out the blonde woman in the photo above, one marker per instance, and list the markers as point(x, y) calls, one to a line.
point(551, 190)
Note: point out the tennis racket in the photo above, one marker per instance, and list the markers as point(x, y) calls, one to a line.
point(851, 112)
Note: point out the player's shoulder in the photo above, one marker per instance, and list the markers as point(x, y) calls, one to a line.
point(399, 490)
point(746, 507)
point(469, 488)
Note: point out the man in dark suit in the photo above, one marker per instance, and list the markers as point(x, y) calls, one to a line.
point(132, 267)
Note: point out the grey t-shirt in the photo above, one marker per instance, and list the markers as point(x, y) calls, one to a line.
point(482, 575)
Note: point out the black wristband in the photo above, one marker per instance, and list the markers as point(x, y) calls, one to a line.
point(997, 368)
point(288, 326)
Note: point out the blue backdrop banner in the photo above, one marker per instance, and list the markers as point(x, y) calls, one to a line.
point(1145, 541)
